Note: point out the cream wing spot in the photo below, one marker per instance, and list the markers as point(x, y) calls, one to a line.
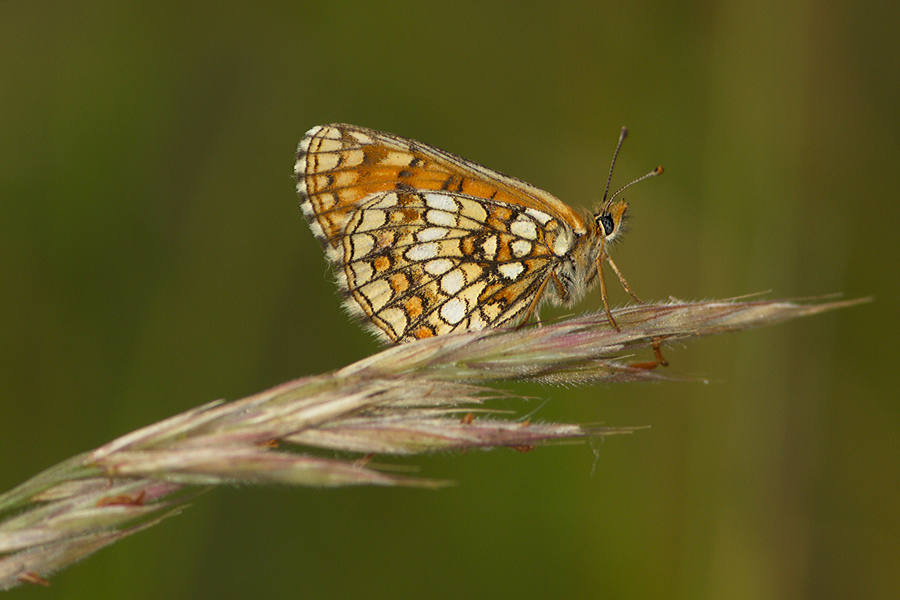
point(511, 270)
point(361, 244)
point(441, 218)
point(563, 242)
point(326, 161)
point(454, 310)
point(377, 292)
point(453, 282)
point(441, 202)
point(371, 219)
point(472, 210)
point(422, 252)
point(396, 319)
point(489, 247)
point(328, 144)
point(362, 271)
point(524, 228)
point(438, 266)
point(362, 138)
point(385, 201)
point(344, 179)
point(353, 158)
point(395, 159)
point(430, 234)
point(542, 218)
point(521, 248)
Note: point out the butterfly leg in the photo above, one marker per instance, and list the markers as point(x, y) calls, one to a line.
point(621, 280)
point(656, 350)
point(603, 291)
point(532, 308)
point(657, 353)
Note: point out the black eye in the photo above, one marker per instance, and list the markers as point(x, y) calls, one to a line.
point(608, 224)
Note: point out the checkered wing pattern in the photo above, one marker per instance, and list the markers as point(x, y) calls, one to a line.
point(424, 242)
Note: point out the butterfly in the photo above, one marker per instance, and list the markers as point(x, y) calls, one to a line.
point(425, 243)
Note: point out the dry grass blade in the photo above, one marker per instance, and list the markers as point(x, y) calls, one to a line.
point(410, 399)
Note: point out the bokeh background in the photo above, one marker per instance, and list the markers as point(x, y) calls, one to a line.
point(153, 258)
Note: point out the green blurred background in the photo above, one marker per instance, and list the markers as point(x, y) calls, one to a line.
point(153, 258)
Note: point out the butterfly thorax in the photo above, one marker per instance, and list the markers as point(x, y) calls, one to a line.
point(576, 270)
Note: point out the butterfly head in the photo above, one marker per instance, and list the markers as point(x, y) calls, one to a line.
point(610, 221)
point(610, 217)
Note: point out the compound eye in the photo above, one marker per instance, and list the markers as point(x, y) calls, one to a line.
point(608, 224)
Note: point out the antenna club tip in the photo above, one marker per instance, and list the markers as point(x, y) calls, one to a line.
point(659, 170)
point(624, 132)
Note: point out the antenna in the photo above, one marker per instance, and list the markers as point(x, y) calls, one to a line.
point(622, 135)
point(657, 171)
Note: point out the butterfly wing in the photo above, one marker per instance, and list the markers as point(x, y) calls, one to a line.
point(424, 242)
